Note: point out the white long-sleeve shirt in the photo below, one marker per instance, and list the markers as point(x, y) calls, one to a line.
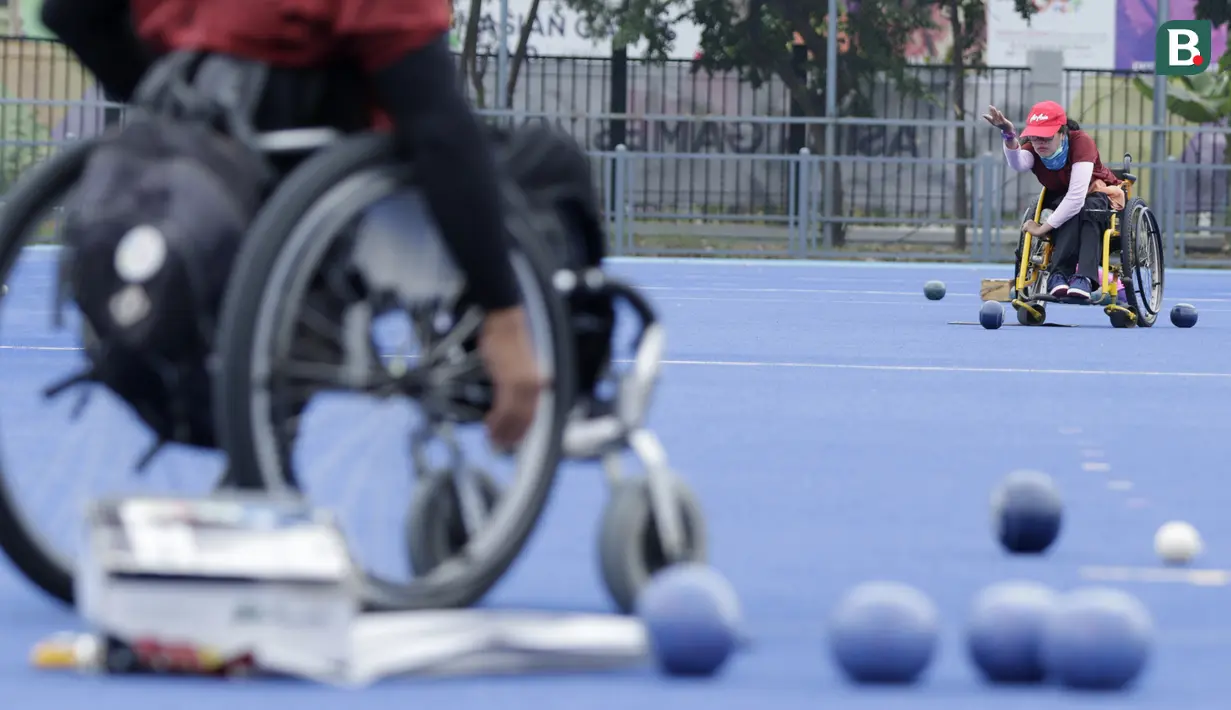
point(1021, 161)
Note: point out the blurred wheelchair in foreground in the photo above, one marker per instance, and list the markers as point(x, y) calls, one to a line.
point(1132, 259)
point(342, 263)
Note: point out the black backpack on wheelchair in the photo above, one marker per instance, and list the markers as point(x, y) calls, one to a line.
point(150, 234)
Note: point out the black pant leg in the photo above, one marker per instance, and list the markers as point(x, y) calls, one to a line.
point(1090, 225)
point(1065, 242)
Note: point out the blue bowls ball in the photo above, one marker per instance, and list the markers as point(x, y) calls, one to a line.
point(691, 616)
point(884, 633)
point(1006, 630)
point(1027, 512)
point(991, 315)
point(1098, 638)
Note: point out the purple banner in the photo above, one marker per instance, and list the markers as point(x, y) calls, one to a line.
point(1135, 25)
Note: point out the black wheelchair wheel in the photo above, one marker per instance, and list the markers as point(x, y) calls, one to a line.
point(25, 205)
point(1141, 261)
point(1025, 317)
point(305, 222)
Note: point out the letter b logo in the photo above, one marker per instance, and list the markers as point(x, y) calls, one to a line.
point(1183, 47)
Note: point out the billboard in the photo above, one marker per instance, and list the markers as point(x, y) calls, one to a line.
point(1093, 34)
point(1135, 24)
point(1085, 30)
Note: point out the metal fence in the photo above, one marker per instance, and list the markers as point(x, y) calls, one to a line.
point(710, 164)
point(809, 226)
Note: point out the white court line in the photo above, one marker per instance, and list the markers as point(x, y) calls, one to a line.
point(1159, 575)
point(709, 299)
point(847, 366)
point(950, 294)
point(721, 289)
point(905, 265)
point(941, 368)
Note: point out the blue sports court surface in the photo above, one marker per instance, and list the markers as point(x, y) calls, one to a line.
point(837, 429)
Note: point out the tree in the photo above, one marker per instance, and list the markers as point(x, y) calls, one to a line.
point(1217, 12)
point(755, 38)
point(968, 29)
point(475, 58)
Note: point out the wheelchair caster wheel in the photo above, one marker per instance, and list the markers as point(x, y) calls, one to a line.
point(1120, 319)
point(629, 549)
point(1025, 317)
point(435, 531)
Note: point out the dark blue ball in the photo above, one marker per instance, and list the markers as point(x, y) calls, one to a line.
point(934, 290)
point(1027, 512)
point(1098, 638)
point(1183, 315)
point(991, 315)
point(691, 616)
point(884, 632)
point(1004, 635)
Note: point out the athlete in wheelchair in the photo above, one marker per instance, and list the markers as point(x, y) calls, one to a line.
point(231, 247)
point(1085, 213)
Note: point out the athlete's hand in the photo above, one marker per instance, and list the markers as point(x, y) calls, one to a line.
point(1035, 229)
point(508, 352)
point(998, 119)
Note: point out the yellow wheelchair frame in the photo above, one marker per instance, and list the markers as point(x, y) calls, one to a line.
point(1032, 269)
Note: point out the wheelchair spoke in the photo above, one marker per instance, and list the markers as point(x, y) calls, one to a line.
point(469, 368)
point(466, 326)
point(329, 375)
point(319, 324)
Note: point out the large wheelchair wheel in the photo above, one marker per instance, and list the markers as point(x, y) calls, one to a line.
point(346, 228)
point(25, 205)
point(58, 451)
point(1141, 261)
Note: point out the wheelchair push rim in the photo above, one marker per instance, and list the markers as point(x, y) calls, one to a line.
point(282, 276)
point(1143, 261)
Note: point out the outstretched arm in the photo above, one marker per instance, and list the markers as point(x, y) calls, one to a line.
point(1019, 160)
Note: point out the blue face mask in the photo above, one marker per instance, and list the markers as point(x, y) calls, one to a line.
point(1057, 161)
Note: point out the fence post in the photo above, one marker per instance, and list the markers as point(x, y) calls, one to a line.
point(1168, 208)
point(830, 168)
point(991, 200)
point(1181, 214)
point(803, 204)
point(620, 198)
point(979, 210)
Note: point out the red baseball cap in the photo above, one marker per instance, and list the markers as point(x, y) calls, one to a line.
point(1046, 117)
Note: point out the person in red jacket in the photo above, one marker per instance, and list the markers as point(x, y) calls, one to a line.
point(1079, 190)
point(397, 50)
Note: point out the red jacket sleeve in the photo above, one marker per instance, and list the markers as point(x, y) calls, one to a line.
point(379, 32)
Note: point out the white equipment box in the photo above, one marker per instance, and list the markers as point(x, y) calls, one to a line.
point(229, 576)
point(273, 580)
